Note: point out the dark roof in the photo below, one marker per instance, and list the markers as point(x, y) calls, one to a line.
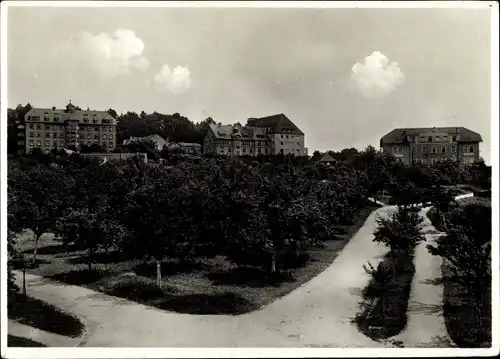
point(327, 158)
point(277, 123)
point(229, 132)
point(78, 115)
point(399, 135)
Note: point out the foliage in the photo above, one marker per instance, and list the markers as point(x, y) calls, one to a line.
point(400, 231)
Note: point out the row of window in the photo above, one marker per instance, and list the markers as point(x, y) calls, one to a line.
point(38, 143)
point(291, 136)
point(57, 118)
point(433, 138)
point(82, 128)
point(423, 149)
point(298, 143)
point(56, 134)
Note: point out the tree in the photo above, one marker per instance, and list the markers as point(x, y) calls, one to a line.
point(41, 199)
point(157, 218)
point(401, 231)
point(90, 229)
point(441, 199)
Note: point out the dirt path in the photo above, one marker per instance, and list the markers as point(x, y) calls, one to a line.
point(317, 314)
point(426, 327)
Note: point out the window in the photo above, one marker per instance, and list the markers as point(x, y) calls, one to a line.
point(286, 136)
point(281, 151)
point(31, 143)
point(61, 143)
point(424, 149)
point(471, 149)
point(47, 127)
point(454, 138)
point(47, 134)
point(104, 144)
point(244, 150)
point(56, 118)
point(85, 120)
point(429, 138)
point(110, 129)
point(437, 138)
point(89, 137)
point(111, 146)
point(38, 142)
point(54, 144)
point(281, 136)
point(46, 118)
point(104, 137)
point(433, 149)
point(54, 134)
point(394, 150)
point(32, 134)
point(38, 127)
point(453, 149)
point(282, 143)
point(38, 134)
point(400, 149)
point(96, 128)
point(110, 137)
point(104, 129)
point(96, 137)
point(32, 126)
point(466, 148)
point(414, 149)
point(443, 149)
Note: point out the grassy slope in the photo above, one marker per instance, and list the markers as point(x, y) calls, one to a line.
point(209, 286)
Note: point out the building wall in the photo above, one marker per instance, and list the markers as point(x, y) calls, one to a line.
point(285, 143)
point(428, 152)
point(48, 132)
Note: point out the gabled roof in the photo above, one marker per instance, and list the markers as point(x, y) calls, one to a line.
point(277, 123)
point(399, 135)
point(78, 115)
point(326, 158)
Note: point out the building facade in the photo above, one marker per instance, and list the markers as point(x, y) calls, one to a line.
point(158, 141)
point(270, 135)
point(432, 145)
point(55, 128)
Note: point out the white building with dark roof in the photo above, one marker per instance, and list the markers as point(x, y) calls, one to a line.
point(432, 145)
point(270, 135)
point(56, 128)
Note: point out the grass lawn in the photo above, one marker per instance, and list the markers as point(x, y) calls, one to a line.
point(13, 341)
point(207, 286)
point(38, 314)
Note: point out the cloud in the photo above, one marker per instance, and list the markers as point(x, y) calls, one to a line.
point(111, 54)
point(177, 80)
point(376, 77)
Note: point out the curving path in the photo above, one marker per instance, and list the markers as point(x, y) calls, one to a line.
point(317, 314)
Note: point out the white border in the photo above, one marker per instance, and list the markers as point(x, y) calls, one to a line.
point(253, 352)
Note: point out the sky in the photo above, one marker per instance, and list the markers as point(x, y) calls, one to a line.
point(345, 77)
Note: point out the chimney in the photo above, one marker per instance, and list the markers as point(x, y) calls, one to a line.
point(53, 108)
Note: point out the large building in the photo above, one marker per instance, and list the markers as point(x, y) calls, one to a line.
point(432, 145)
point(270, 135)
point(54, 128)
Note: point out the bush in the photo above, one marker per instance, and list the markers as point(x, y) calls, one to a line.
point(384, 311)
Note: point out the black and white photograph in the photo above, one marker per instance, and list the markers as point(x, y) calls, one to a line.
point(237, 179)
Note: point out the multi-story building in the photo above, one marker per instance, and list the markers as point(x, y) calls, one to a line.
point(432, 145)
point(54, 128)
point(260, 136)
